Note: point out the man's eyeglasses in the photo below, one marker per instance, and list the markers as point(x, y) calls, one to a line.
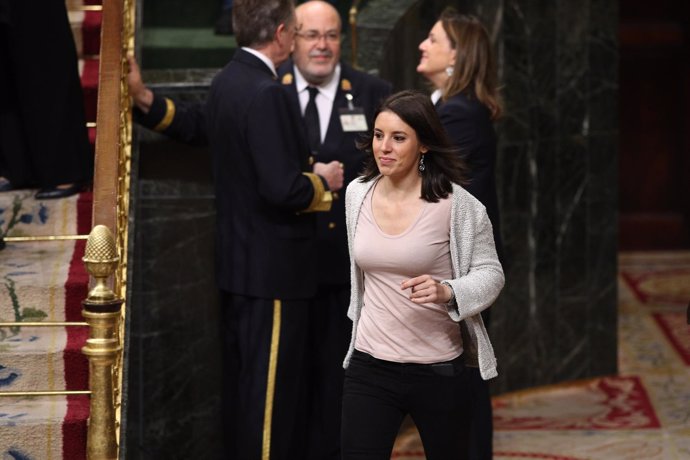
point(314, 36)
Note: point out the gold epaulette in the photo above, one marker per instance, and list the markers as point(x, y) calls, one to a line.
point(322, 199)
point(168, 117)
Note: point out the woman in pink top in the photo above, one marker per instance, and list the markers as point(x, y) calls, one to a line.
point(423, 260)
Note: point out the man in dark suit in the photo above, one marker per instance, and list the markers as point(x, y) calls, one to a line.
point(266, 249)
point(267, 264)
point(345, 100)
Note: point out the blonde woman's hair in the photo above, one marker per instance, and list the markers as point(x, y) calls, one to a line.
point(474, 73)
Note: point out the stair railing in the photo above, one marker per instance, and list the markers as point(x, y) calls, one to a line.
point(106, 252)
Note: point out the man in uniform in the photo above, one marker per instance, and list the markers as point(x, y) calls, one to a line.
point(266, 250)
point(343, 105)
point(267, 262)
point(337, 104)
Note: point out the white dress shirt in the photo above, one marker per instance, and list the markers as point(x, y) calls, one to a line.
point(435, 96)
point(324, 100)
point(263, 57)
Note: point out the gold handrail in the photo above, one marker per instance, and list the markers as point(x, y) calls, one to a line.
point(354, 10)
point(104, 309)
point(31, 239)
point(88, 8)
point(43, 324)
point(22, 394)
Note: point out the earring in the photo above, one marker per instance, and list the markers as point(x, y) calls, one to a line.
point(449, 70)
point(422, 167)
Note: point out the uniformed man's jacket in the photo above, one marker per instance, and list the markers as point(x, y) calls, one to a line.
point(367, 92)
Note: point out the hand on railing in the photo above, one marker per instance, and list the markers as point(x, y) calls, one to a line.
point(140, 93)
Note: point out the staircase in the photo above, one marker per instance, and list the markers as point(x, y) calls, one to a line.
point(43, 283)
point(44, 375)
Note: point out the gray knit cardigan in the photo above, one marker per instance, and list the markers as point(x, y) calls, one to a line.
point(478, 275)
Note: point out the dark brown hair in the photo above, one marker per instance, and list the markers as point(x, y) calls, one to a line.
point(443, 163)
point(474, 72)
point(255, 21)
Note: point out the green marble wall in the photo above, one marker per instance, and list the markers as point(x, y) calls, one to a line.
point(557, 172)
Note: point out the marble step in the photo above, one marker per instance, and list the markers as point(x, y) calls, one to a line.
point(43, 359)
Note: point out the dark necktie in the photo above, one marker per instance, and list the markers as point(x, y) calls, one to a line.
point(311, 120)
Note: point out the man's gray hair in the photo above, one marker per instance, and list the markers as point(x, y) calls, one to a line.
point(255, 21)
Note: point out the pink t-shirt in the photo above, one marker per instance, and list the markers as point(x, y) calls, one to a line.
point(391, 327)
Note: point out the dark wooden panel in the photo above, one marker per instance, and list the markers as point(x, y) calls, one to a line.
point(654, 189)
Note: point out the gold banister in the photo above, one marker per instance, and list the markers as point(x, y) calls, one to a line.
point(110, 74)
point(104, 309)
point(42, 324)
point(34, 239)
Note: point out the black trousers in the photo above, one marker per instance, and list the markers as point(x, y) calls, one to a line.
point(482, 429)
point(264, 377)
point(378, 394)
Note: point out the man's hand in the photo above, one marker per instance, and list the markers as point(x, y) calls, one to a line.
point(332, 172)
point(141, 95)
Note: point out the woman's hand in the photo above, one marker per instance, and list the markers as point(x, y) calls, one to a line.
point(425, 289)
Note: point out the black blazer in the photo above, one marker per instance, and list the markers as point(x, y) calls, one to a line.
point(187, 121)
point(189, 125)
point(367, 92)
point(266, 247)
point(469, 127)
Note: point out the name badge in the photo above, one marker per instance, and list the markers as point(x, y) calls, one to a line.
point(353, 120)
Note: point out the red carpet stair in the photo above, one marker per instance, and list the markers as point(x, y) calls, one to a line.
point(46, 282)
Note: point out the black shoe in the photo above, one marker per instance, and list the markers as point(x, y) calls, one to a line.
point(51, 193)
point(224, 23)
point(5, 185)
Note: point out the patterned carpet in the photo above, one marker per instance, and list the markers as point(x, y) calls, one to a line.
point(642, 413)
point(39, 282)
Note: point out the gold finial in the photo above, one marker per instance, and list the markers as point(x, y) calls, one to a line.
point(101, 259)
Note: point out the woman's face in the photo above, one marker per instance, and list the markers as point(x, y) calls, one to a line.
point(395, 146)
point(437, 55)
